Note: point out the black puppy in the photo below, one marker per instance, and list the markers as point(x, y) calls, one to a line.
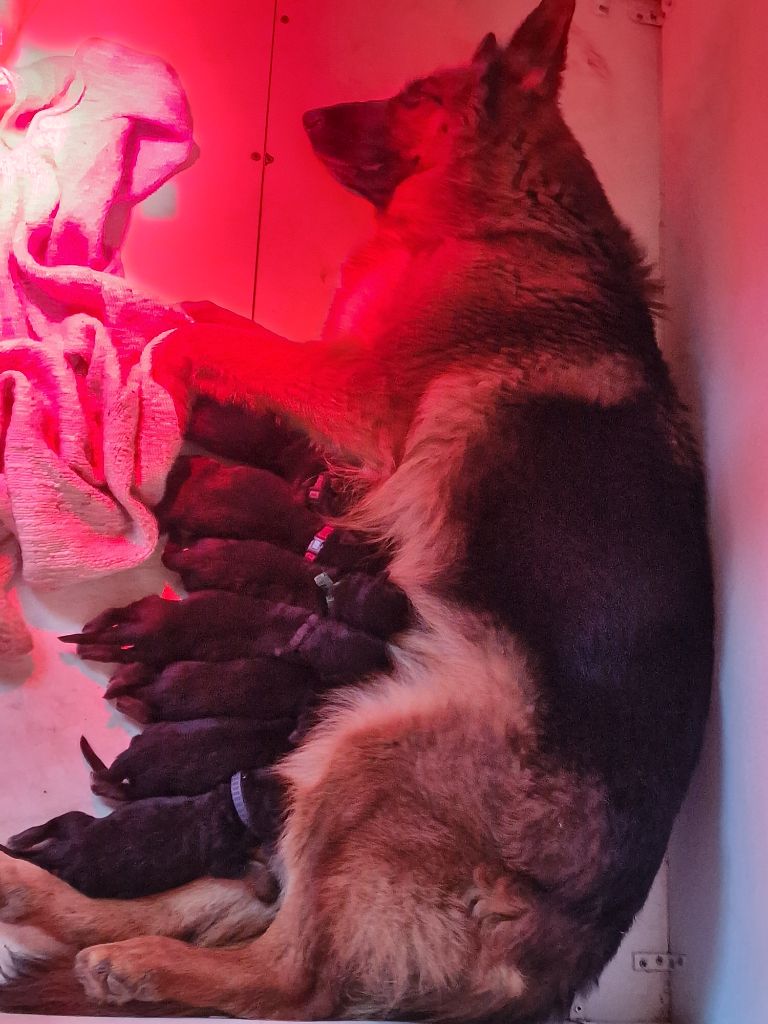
point(205, 498)
point(149, 846)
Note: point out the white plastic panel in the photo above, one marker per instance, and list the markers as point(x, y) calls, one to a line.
point(716, 254)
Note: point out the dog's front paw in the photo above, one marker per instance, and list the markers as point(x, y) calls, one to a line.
point(206, 312)
point(121, 972)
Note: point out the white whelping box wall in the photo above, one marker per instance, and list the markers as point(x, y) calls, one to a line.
point(715, 132)
point(258, 194)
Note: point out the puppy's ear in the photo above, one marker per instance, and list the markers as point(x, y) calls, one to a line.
point(535, 58)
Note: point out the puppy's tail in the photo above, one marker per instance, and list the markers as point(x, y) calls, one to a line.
point(52, 989)
point(94, 761)
point(101, 784)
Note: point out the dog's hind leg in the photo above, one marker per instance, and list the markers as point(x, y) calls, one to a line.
point(268, 978)
point(378, 856)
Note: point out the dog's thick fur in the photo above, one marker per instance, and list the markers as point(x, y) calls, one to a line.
point(471, 834)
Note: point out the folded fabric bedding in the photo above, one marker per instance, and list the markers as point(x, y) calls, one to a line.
point(86, 436)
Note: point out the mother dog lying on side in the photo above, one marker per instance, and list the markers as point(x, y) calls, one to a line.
point(470, 835)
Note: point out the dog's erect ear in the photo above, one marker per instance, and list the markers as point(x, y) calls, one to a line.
point(488, 59)
point(535, 57)
point(487, 51)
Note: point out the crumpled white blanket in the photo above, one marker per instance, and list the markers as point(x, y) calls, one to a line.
point(86, 436)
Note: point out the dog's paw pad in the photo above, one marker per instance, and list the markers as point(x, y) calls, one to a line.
point(111, 974)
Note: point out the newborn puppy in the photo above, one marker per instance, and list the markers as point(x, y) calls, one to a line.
point(153, 845)
point(213, 625)
point(258, 569)
point(187, 758)
point(257, 439)
point(253, 567)
point(204, 498)
point(260, 688)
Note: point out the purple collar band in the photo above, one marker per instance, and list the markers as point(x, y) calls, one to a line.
point(236, 790)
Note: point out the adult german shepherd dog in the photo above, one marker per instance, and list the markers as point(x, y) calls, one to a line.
point(469, 836)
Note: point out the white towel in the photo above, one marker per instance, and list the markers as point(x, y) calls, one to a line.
point(86, 436)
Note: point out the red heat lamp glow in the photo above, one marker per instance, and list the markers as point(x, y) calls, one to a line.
point(12, 16)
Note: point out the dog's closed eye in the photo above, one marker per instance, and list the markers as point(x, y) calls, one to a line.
point(419, 93)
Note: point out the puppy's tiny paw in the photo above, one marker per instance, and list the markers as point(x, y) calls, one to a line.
point(117, 972)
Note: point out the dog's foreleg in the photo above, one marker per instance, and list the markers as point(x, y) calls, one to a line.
point(333, 390)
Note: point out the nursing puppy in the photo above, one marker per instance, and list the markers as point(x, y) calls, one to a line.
point(369, 602)
point(205, 498)
point(217, 625)
point(470, 836)
point(187, 758)
point(149, 846)
point(256, 439)
point(262, 689)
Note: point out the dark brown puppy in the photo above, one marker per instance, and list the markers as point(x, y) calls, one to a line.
point(187, 758)
point(257, 439)
point(259, 569)
point(205, 498)
point(213, 625)
point(157, 844)
point(263, 689)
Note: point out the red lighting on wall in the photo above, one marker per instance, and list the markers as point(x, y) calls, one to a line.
point(12, 16)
